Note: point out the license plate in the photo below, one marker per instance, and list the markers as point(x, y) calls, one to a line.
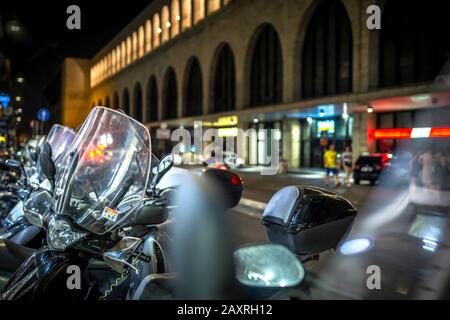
point(367, 169)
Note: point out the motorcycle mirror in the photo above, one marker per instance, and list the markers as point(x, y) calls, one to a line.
point(164, 166)
point(267, 265)
point(34, 154)
point(118, 257)
point(48, 167)
point(47, 148)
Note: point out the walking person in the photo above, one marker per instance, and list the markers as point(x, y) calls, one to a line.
point(347, 160)
point(330, 164)
point(427, 168)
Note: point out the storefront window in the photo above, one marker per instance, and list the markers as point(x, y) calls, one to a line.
point(318, 134)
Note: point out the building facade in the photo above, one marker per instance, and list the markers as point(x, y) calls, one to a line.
point(313, 69)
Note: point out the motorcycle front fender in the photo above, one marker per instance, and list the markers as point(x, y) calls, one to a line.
point(47, 275)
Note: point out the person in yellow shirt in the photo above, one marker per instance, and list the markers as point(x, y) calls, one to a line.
point(330, 163)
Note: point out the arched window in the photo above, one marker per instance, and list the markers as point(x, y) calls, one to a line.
point(175, 17)
point(115, 101)
point(152, 99)
point(107, 66)
point(113, 61)
point(194, 89)
point(411, 46)
point(141, 41)
point(126, 101)
point(107, 102)
point(123, 54)
point(118, 59)
point(148, 36)
point(327, 52)
point(224, 90)
point(111, 64)
point(156, 31)
point(100, 103)
point(199, 10)
point(137, 102)
point(187, 14)
point(266, 85)
point(128, 50)
point(102, 70)
point(213, 6)
point(165, 24)
point(135, 46)
point(170, 95)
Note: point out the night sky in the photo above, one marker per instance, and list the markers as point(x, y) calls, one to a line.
point(38, 51)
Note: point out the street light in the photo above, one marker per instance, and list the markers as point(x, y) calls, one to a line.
point(18, 98)
point(369, 109)
point(13, 27)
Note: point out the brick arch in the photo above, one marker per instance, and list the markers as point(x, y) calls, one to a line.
point(249, 59)
point(115, 103)
point(107, 102)
point(218, 52)
point(151, 105)
point(299, 46)
point(193, 88)
point(125, 101)
point(169, 95)
point(137, 109)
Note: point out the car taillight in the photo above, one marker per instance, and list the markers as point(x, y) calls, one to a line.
point(378, 167)
point(357, 167)
point(235, 180)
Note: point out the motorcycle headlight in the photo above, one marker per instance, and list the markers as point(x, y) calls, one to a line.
point(60, 235)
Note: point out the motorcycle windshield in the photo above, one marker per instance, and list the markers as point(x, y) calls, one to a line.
point(105, 171)
point(59, 139)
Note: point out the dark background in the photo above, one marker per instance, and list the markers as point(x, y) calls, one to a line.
point(38, 50)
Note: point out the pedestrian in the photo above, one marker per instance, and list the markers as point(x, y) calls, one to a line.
point(438, 171)
point(330, 163)
point(347, 161)
point(427, 168)
point(415, 167)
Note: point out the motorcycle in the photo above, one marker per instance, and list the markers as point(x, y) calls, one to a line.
point(102, 210)
point(34, 194)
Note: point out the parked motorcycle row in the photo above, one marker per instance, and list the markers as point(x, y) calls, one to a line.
point(93, 214)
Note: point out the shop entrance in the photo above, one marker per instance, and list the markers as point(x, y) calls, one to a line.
point(318, 134)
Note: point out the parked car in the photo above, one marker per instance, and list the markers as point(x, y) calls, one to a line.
point(230, 160)
point(369, 167)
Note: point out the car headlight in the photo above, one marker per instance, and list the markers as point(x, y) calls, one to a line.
point(60, 235)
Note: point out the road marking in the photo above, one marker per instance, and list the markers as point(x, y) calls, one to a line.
point(253, 204)
point(250, 208)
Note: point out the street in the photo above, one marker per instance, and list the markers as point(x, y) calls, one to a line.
point(259, 189)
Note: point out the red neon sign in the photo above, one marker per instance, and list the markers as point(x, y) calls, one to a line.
point(412, 133)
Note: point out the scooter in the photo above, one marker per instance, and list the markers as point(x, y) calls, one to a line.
point(101, 210)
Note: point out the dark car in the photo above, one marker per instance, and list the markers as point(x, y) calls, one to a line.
point(369, 168)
